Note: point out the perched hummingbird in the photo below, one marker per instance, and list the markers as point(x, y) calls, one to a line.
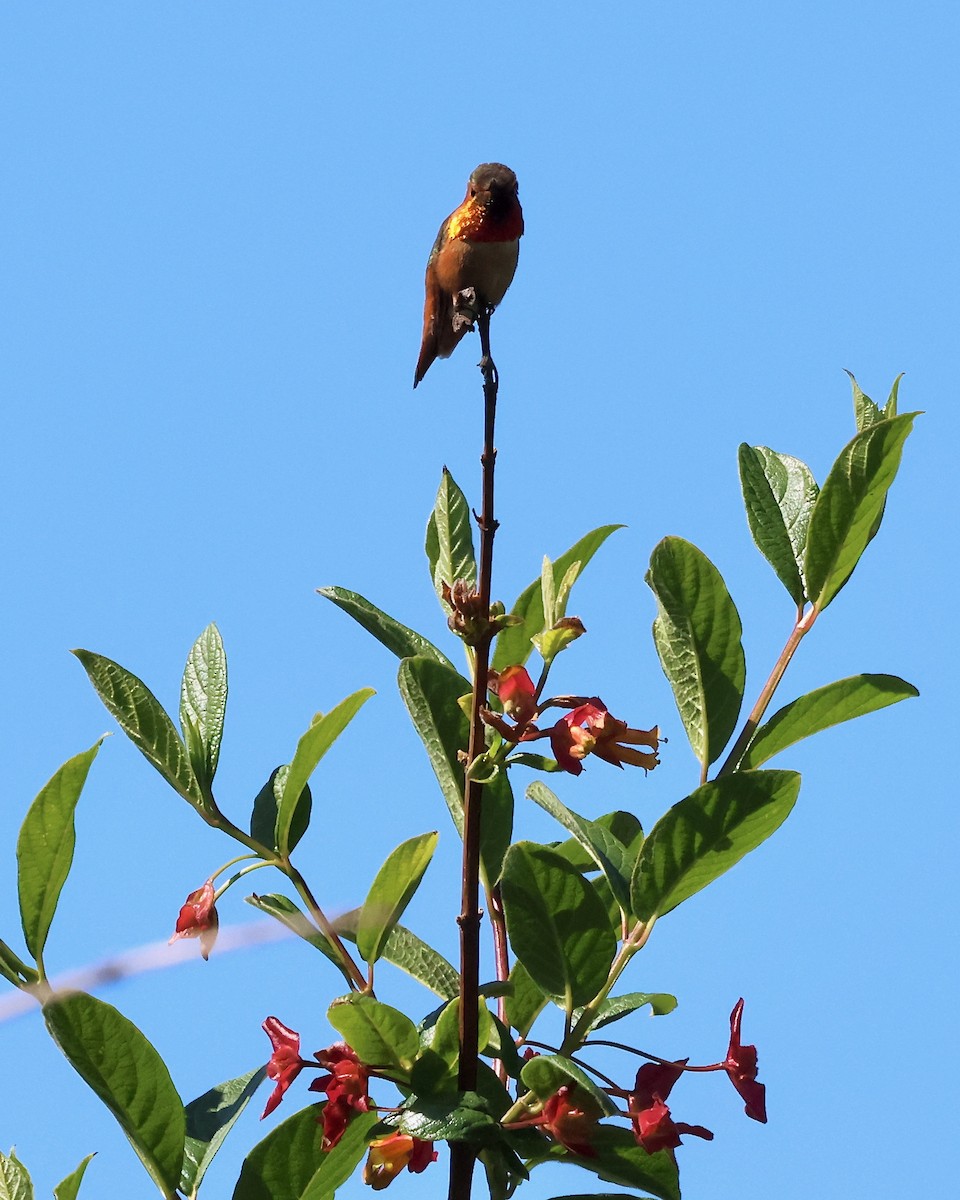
point(477, 246)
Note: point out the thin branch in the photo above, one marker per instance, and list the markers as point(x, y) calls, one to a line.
point(462, 1155)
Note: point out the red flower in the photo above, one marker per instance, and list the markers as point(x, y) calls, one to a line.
point(388, 1156)
point(198, 918)
point(653, 1127)
point(346, 1089)
point(285, 1063)
point(741, 1066)
point(571, 1124)
point(517, 693)
point(590, 729)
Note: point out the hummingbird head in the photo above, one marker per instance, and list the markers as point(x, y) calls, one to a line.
point(494, 187)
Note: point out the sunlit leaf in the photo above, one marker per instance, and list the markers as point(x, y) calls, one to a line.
point(314, 744)
point(697, 635)
point(45, 848)
point(411, 954)
point(391, 892)
point(203, 703)
point(449, 542)
point(779, 493)
point(706, 834)
point(114, 1058)
point(840, 701)
point(144, 720)
point(850, 504)
point(209, 1119)
point(283, 1163)
point(401, 641)
point(69, 1188)
point(15, 1182)
point(381, 1036)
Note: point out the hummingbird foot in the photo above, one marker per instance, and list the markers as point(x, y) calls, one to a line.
point(466, 310)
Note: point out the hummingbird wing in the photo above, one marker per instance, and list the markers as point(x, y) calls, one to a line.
point(439, 339)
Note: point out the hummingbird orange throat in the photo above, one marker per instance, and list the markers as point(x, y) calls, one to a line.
point(477, 247)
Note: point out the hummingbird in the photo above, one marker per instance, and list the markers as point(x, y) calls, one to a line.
point(477, 247)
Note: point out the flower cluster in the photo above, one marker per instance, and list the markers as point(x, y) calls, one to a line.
point(587, 729)
point(345, 1086)
point(571, 1115)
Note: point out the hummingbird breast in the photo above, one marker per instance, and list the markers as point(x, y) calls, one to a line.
point(488, 267)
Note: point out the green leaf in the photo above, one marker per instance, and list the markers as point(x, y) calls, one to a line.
point(209, 1119)
point(411, 954)
point(830, 705)
point(203, 704)
point(461, 1119)
point(391, 892)
point(266, 807)
point(620, 1160)
point(398, 639)
point(547, 1073)
point(14, 969)
point(513, 644)
point(603, 847)
point(557, 923)
point(706, 834)
point(69, 1188)
point(15, 1182)
point(779, 493)
point(431, 693)
point(865, 411)
point(381, 1036)
point(526, 1001)
point(144, 720)
point(45, 848)
point(114, 1059)
point(697, 635)
point(890, 408)
point(314, 744)
point(615, 1008)
point(287, 913)
point(449, 542)
point(281, 1166)
point(850, 504)
point(340, 1163)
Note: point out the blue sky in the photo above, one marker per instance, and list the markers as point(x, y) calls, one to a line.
point(215, 222)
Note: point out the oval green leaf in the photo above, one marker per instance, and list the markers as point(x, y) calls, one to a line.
point(697, 635)
point(340, 1163)
point(69, 1188)
point(779, 493)
point(850, 504)
point(707, 833)
point(398, 639)
point(411, 954)
point(840, 701)
point(557, 923)
point(144, 720)
point(547, 1073)
point(391, 892)
point(323, 732)
point(605, 850)
point(281, 1166)
point(431, 693)
point(203, 703)
point(209, 1119)
point(117, 1062)
point(449, 541)
point(381, 1036)
point(45, 849)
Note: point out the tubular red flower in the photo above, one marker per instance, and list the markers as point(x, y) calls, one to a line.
point(198, 918)
point(345, 1087)
point(518, 694)
point(741, 1066)
point(591, 729)
point(653, 1126)
point(569, 1123)
point(388, 1156)
point(285, 1063)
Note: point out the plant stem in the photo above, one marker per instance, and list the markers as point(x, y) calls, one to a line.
point(802, 627)
point(462, 1156)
